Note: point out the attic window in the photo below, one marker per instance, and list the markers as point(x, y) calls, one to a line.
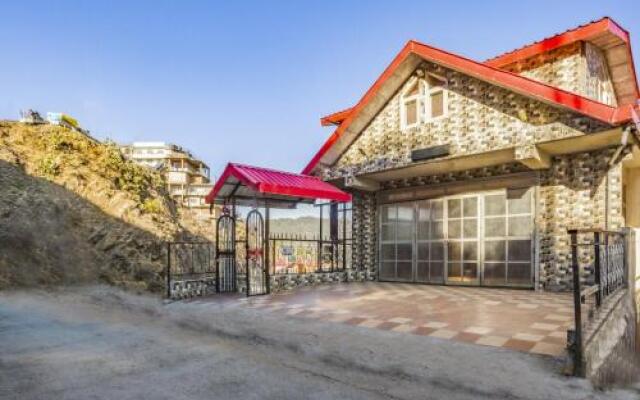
point(436, 104)
point(423, 100)
point(411, 104)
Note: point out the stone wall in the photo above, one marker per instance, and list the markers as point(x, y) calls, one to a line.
point(579, 191)
point(561, 67)
point(579, 67)
point(481, 117)
point(365, 233)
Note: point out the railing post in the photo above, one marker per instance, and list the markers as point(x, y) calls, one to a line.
point(168, 270)
point(578, 368)
point(597, 267)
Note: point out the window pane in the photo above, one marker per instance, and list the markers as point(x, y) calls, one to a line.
point(405, 213)
point(405, 270)
point(519, 250)
point(470, 228)
point(437, 251)
point(519, 202)
point(437, 230)
point(387, 270)
point(495, 273)
point(423, 251)
point(437, 209)
point(423, 230)
point(388, 213)
point(436, 272)
point(470, 271)
point(495, 204)
point(470, 251)
point(470, 206)
point(437, 104)
point(411, 112)
point(455, 208)
point(454, 272)
point(388, 252)
point(405, 251)
point(388, 232)
point(520, 226)
point(424, 212)
point(494, 227)
point(455, 250)
point(495, 250)
point(519, 274)
point(405, 231)
point(455, 228)
point(422, 271)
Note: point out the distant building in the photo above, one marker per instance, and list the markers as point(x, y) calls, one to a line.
point(188, 179)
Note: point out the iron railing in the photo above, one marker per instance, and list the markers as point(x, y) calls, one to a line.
point(298, 254)
point(599, 267)
point(191, 269)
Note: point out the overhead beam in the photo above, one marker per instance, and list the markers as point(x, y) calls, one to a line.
point(533, 157)
point(364, 184)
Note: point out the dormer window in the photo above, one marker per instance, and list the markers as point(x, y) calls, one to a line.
point(422, 101)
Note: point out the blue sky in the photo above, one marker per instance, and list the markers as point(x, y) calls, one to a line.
point(245, 81)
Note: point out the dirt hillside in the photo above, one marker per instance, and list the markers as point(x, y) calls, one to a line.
point(73, 210)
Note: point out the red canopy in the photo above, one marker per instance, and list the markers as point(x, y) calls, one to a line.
point(247, 183)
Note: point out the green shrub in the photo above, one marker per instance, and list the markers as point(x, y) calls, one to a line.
point(152, 206)
point(49, 166)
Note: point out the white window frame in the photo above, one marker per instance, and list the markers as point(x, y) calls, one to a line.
point(423, 101)
point(418, 98)
point(434, 90)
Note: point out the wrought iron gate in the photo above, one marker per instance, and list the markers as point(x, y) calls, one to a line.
point(257, 273)
point(226, 253)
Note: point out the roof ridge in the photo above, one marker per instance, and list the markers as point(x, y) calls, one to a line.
point(552, 36)
point(241, 165)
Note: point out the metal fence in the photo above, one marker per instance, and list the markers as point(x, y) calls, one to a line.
point(190, 269)
point(599, 266)
point(291, 254)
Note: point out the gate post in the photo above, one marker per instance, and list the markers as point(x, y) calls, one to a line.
point(578, 369)
point(168, 270)
point(266, 249)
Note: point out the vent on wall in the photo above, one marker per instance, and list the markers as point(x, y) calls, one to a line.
point(429, 153)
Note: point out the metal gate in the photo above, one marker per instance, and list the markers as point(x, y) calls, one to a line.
point(257, 274)
point(226, 253)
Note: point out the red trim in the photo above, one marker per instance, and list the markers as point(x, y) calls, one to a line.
point(517, 83)
point(581, 33)
point(269, 181)
point(336, 118)
point(584, 32)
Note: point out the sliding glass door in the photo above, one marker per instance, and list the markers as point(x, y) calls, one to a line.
point(474, 239)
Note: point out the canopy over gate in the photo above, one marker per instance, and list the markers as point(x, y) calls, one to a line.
point(247, 184)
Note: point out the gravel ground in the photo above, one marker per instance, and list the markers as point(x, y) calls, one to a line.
point(102, 343)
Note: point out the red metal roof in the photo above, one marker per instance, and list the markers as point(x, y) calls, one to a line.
point(519, 84)
point(583, 32)
point(336, 118)
point(264, 183)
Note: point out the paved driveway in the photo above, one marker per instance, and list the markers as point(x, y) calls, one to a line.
point(528, 321)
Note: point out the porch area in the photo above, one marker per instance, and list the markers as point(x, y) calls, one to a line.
point(522, 320)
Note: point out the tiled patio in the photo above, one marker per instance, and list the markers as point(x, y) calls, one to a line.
point(516, 319)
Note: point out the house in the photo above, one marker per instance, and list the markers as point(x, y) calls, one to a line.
point(188, 179)
point(466, 172)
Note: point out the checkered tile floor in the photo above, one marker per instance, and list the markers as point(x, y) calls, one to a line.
point(516, 319)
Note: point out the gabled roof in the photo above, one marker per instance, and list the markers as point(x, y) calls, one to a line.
point(247, 183)
point(408, 59)
point(604, 33)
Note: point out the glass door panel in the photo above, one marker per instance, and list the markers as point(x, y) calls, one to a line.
point(430, 242)
point(397, 224)
point(462, 240)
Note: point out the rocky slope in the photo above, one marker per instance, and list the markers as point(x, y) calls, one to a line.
point(73, 210)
